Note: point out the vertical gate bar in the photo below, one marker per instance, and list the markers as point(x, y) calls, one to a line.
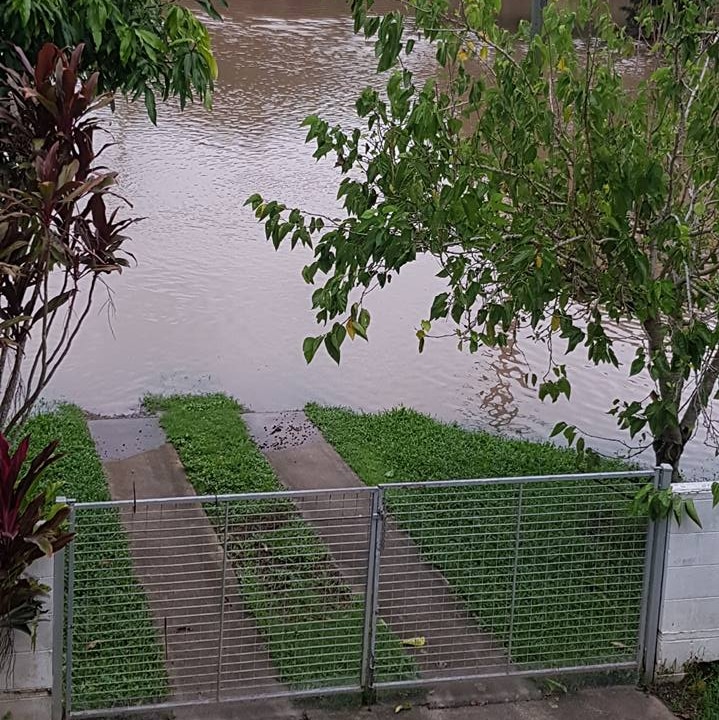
point(369, 636)
point(70, 610)
point(517, 534)
point(58, 621)
point(655, 583)
point(646, 582)
point(222, 604)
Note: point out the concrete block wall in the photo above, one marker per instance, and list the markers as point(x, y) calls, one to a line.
point(25, 691)
point(689, 621)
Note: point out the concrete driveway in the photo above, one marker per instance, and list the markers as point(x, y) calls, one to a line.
point(614, 703)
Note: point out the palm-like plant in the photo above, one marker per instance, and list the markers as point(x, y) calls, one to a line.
point(30, 528)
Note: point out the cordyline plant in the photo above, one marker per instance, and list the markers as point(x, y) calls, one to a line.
point(57, 235)
point(28, 532)
point(558, 198)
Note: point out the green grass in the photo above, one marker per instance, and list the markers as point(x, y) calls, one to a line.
point(696, 695)
point(578, 553)
point(311, 620)
point(78, 474)
point(710, 702)
point(403, 444)
point(212, 441)
point(104, 640)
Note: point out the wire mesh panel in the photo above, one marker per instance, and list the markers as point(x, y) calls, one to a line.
point(197, 600)
point(300, 565)
point(114, 650)
point(185, 601)
point(511, 577)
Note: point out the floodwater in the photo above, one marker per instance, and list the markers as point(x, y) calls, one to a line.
point(211, 305)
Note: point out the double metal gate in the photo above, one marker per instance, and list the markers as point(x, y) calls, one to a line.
point(194, 600)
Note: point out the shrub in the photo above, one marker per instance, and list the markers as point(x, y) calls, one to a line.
point(30, 528)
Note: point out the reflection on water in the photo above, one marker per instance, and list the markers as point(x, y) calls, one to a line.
point(212, 306)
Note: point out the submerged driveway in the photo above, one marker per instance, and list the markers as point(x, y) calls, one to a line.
point(178, 560)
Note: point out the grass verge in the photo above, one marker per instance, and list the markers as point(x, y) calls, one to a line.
point(576, 553)
point(311, 619)
point(696, 695)
point(116, 656)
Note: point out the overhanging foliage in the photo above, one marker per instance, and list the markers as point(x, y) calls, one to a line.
point(558, 196)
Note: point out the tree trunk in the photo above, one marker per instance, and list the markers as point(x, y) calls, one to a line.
point(668, 448)
point(9, 393)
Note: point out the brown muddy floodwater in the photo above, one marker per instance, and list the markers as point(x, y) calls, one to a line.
point(211, 305)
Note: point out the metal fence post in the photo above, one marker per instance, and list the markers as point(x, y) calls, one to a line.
point(658, 535)
point(221, 639)
point(58, 622)
point(515, 568)
point(70, 608)
point(371, 609)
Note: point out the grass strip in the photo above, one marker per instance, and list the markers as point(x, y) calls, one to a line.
point(575, 551)
point(105, 672)
point(311, 620)
point(696, 695)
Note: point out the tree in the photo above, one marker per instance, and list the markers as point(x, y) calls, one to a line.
point(142, 47)
point(58, 237)
point(556, 196)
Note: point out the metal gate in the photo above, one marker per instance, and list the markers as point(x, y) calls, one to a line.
point(196, 600)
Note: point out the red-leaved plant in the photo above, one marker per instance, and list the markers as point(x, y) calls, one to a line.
point(59, 236)
point(30, 528)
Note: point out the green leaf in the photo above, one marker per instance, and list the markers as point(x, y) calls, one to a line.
point(125, 35)
point(332, 348)
point(558, 428)
point(439, 306)
point(665, 499)
point(564, 387)
point(210, 9)
point(677, 508)
point(339, 332)
point(715, 494)
point(638, 363)
point(25, 7)
point(282, 232)
point(150, 105)
point(310, 347)
point(364, 318)
point(150, 40)
point(359, 330)
point(691, 511)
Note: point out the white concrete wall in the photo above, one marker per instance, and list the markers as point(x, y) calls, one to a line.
point(25, 692)
point(689, 622)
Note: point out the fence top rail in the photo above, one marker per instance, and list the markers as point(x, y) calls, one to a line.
point(217, 499)
point(521, 479)
point(363, 489)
